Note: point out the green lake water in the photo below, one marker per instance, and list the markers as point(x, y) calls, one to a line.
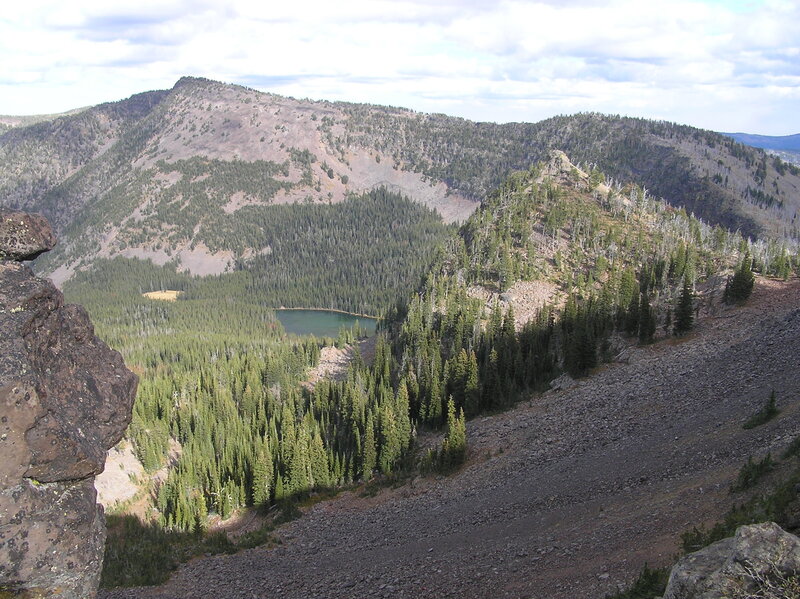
point(321, 323)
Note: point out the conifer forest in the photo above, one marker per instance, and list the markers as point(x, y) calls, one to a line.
point(222, 402)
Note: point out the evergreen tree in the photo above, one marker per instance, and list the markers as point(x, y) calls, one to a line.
point(370, 452)
point(454, 446)
point(740, 286)
point(505, 271)
point(390, 439)
point(402, 412)
point(647, 320)
point(472, 392)
point(262, 476)
point(632, 315)
point(684, 311)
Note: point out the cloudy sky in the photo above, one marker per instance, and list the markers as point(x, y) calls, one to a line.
point(728, 65)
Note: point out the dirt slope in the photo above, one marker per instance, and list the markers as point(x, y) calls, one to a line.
point(565, 496)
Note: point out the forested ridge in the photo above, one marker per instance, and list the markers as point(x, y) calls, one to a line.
point(162, 171)
point(701, 171)
point(625, 266)
point(221, 381)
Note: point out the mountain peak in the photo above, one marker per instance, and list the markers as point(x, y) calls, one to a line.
point(187, 80)
point(558, 166)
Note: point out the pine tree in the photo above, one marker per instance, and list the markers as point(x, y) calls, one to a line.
point(320, 469)
point(632, 315)
point(300, 467)
point(262, 476)
point(390, 441)
point(454, 446)
point(280, 492)
point(402, 414)
point(472, 392)
point(505, 271)
point(370, 452)
point(647, 320)
point(586, 347)
point(739, 288)
point(684, 311)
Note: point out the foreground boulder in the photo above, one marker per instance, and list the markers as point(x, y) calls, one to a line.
point(24, 236)
point(65, 398)
point(761, 560)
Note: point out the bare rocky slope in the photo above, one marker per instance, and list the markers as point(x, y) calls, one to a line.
point(155, 175)
point(565, 496)
point(65, 398)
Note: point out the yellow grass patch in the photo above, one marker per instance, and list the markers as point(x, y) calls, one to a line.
point(168, 295)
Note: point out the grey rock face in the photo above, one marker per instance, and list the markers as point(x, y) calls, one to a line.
point(24, 236)
point(52, 538)
point(65, 398)
point(758, 557)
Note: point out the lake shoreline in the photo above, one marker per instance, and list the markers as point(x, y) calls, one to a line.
point(323, 323)
point(329, 310)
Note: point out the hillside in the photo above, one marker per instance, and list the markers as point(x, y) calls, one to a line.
point(10, 121)
point(565, 496)
point(555, 272)
point(155, 175)
point(788, 157)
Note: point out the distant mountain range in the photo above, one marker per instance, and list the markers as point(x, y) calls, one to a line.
point(785, 147)
point(176, 175)
point(790, 143)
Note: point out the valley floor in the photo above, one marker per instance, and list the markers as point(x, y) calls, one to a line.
point(565, 496)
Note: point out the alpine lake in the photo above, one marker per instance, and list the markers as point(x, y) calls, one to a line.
point(322, 323)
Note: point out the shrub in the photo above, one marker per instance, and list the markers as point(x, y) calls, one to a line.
point(740, 286)
point(650, 583)
point(752, 472)
point(764, 415)
point(793, 449)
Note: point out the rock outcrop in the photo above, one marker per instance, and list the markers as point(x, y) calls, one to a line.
point(65, 399)
point(761, 560)
point(24, 236)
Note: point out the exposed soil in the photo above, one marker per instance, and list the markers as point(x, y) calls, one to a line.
point(566, 496)
point(526, 297)
point(333, 361)
point(225, 123)
point(121, 480)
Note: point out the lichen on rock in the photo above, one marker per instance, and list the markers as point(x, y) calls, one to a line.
point(24, 236)
point(65, 399)
point(760, 559)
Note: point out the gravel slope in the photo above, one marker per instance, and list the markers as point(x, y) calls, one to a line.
point(566, 496)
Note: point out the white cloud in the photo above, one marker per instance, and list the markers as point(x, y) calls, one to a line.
point(720, 65)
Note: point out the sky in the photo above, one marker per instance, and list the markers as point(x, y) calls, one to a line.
point(726, 65)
